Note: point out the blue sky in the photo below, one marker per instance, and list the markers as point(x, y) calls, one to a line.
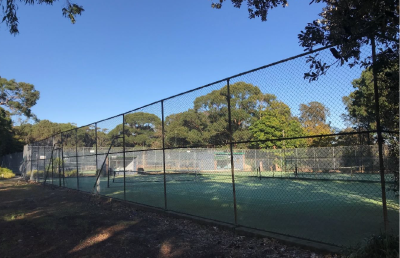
point(121, 55)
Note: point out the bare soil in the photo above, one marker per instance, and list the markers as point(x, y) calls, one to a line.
point(37, 221)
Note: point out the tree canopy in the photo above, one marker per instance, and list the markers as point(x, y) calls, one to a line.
point(313, 117)
point(18, 97)
point(277, 122)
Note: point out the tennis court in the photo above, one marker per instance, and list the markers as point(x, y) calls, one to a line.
point(332, 211)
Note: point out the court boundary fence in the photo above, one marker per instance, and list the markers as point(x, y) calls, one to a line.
point(56, 148)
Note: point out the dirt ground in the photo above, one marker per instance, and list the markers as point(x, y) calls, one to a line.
point(37, 221)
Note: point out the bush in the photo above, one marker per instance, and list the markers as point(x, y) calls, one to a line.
point(377, 246)
point(6, 173)
point(35, 173)
point(70, 173)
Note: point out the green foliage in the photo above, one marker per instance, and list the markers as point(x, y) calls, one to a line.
point(29, 133)
point(8, 142)
point(348, 25)
point(86, 136)
point(70, 173)
point(276, 123)
point(18, 97)
point(360, 106)
point(377, 247)
point(186, 128)
point(313, 117)
point(351, 25)
point(6, 173)
point(360, 103)
point(34, 173)
point(247, 103)
point(141, 130)
point(10, 8)
point(256, 8)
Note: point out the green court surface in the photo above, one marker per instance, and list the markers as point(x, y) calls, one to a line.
point(339, 212)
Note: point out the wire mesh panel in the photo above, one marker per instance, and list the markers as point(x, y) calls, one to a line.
point(309, 182)
point(70, 160)
point(109, 146)
point(144, 179)
point(86, 156)
point(199, 182)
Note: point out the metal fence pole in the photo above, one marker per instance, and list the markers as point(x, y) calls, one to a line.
point(76, 158)
point(31, 159)
point(95, 135)
point(37, 163)
point(44, 165)
point(163, 151)
point(380, 139)
point(62, 160)
point(123, 149)
point(231, 149)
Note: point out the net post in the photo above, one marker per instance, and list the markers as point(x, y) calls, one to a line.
point(76, 158)
point(123, 154)
point(163, 151)
point(231, 149)
point(379, 132)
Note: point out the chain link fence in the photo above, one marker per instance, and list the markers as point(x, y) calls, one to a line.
point(265, 149)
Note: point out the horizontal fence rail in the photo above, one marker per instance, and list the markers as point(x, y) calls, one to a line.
point(265, 149)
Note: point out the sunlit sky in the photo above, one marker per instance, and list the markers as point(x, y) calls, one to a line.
point(121, 55)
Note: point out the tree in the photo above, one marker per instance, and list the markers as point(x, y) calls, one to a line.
point(30, 133)
point(15, 99)
point(247, 103)
point(360, 104)
point(189, 128)
point(8, 143)
point(10, 8)
point(18, 97)
point(348, 25)
point(313, 118)
point(277, 123)
point(141, 130)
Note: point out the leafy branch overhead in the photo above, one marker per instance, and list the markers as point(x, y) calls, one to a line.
point(10, 8)
point(348, 26)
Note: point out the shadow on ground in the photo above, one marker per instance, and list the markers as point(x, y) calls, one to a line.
point(39, 221)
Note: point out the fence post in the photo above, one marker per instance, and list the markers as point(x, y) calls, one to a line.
point(37, 163)
point(44, 160)
point(123, 149)
point(163, 151)
point(334, 160)
point(31, 159)
point(76, 158)
point(231, 149)
point(62, 159)
point(379, 132)
point(95, 135)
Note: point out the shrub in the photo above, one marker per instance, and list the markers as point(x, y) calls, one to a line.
point(70, 173)
point(6, 173)
point(35, 173)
